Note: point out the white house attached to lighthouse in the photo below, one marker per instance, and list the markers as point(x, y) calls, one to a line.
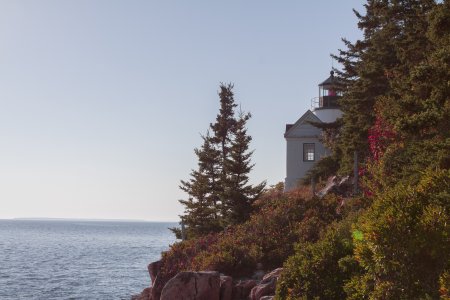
point(303, 146)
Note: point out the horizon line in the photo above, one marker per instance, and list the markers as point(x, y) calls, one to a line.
point(85, 219)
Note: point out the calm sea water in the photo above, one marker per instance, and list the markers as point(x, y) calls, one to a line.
point(78, 259)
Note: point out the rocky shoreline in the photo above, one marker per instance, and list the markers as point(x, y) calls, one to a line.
point(210, 285)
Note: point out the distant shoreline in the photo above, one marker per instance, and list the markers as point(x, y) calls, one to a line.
point(87, 220)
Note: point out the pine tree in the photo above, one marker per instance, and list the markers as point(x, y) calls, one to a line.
point(418, 108)
point(238, 196)
point(225, 123)
point(222, 134)
point(201, 208)
point(393, 30)
point(218, 191)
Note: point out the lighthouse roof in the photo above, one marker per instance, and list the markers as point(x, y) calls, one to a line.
point(330, 80)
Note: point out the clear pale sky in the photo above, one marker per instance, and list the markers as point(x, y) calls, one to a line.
point(103, 101)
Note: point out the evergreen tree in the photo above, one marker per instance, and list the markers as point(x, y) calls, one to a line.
point(201, 215)
point(394, 31)
point(238, 196)
point(419, 108)
point(400, 240)
point(225, 123)
point(218, 191)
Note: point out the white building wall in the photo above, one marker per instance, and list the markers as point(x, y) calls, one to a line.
point(328, 115)
point(296, 168)
point(303, 132)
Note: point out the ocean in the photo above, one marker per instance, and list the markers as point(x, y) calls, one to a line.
point(74, 259)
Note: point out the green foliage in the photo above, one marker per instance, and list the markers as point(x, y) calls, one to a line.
point(396, 79)
point(330, 133)
point(444, 285)
point(268, 237)
point(419, 105)
point(395, 42)
point(238, 196)
point(406, 245)
point(404, 162)
point(319, 270)
point(324, 168)
point(201, 208)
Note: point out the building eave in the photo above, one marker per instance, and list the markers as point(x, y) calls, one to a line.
point(302, 120)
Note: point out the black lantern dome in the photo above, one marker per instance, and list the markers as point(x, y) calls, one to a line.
point(329, 93)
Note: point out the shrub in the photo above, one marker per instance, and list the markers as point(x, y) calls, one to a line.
point(269, 236)
point(320, 270)
point(405, 244)
point(281, 220)
point(324, 168)
point(179, 257)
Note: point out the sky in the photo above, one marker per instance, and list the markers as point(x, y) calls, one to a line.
point(103, 101)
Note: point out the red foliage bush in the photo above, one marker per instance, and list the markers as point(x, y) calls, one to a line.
point(380, 136)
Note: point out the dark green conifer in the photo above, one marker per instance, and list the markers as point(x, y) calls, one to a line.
point(394, 42)
point(202, 215)
point(218, 191)
point(239, 195)
point(225, 122)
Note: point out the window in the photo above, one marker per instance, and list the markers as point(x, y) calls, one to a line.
point(308, 151)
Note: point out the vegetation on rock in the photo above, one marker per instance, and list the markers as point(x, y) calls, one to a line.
point(280, 220)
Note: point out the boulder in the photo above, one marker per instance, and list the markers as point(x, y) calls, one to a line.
point(267, 286)
point(226, 287)
point(263, 289)
point(192, 285)
point(274, 274)
point(242, 289)
point(153, 270)
point(157, 287)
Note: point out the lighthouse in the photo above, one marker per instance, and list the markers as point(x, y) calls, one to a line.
point(303, 145)
point(327, 108)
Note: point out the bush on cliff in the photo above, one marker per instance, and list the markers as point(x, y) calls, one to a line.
point(398, 248)
point(404, 243)
point(270, 234)
point(320, 269)
point(280, 220)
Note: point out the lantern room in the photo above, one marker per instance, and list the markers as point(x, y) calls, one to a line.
point(329, 93)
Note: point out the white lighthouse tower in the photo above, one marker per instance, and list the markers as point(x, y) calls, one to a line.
point(303, 146)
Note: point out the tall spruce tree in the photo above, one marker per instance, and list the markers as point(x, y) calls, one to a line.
point(222, 130)
point(393, 32)
point(225, 123)
point(238, 196)
point(418, 108)
point(218, 191)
